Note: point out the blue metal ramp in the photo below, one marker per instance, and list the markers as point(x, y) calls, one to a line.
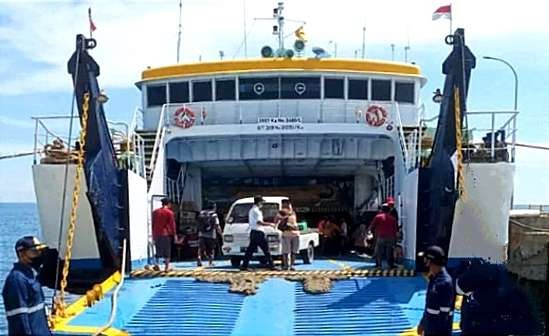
point(186, 307)
point(353, 307)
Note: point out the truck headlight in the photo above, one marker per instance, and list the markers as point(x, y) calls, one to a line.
point(228, 238)
point(273, 238)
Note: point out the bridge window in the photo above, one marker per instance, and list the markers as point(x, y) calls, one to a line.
point(156, 95)
point(258, 88)
point(358, 89)
point(225, 89)
point(202, 91)
point(300, 87)
point(381, 89)
point(404, 92)
point(179, 92)
point(333, 88)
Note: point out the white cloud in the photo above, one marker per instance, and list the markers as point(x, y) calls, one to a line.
point(133, 35)
point(15, 122)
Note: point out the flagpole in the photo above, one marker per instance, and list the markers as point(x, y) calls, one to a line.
point(451, 32)
point(90, 20)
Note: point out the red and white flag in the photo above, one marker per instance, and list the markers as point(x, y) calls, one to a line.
point(92, 25)
point(443, 12)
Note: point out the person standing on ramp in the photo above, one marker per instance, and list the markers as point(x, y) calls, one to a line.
point(257, 234)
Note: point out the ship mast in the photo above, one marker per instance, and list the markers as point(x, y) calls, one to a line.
point(179, 32)
point(277, 15)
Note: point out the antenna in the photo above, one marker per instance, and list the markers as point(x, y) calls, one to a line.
point(363, 41)
point(179, 32)
point(407, 47)
point(277, 15)
point(278, 28)
point(245, 31)
point(392, 51)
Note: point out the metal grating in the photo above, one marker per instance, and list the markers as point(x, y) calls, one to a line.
point(185, 307)
point(353, 307)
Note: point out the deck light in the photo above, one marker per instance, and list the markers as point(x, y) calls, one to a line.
point(102, 98)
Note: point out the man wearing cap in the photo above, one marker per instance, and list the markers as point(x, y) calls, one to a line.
point(163, 230)
point(390, 201)
point(438, 315)
point(385, 229)
point(22, 293)
point(257, 235)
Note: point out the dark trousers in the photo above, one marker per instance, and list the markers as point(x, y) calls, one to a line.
point(257, 238)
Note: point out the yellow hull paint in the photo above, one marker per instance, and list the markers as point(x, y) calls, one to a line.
point(61, 324)
point(281, 64)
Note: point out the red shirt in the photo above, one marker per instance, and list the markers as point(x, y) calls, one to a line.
point(384, 226)
point(163, 222)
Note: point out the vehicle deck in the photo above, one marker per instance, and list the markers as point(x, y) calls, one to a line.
point(184, 306)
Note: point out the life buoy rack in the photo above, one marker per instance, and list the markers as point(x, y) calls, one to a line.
point(376, 115)
point(184, 117)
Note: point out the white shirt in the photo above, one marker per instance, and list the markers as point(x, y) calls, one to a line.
point(255, 215)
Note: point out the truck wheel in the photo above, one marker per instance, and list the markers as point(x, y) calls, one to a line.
point(235, 261)
point(308, 255)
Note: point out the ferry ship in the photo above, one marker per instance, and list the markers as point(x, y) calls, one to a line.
point(337, 136)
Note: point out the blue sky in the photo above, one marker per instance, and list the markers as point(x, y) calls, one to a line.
point(37, 38)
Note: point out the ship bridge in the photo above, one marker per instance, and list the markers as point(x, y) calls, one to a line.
point(279, 123)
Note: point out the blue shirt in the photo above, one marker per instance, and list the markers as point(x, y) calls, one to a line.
point(438, 315)
point(24, 302)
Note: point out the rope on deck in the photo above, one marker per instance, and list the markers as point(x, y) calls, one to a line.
point(314, 281)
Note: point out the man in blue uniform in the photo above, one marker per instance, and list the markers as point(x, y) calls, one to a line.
point(438, 315)
point(22, 293)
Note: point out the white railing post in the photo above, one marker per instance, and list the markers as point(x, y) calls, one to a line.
point(35, 140)
point(514, 136)
point(493, 136)
point(160, 131)
point(401, 135)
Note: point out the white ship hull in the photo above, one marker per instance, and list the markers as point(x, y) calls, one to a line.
point(480, 228)
point(48, 186)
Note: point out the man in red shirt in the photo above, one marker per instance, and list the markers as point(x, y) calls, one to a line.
point(385, 229)
point(163, 229)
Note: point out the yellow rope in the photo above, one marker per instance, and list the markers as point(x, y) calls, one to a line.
point(59, 309)
point(459, 139)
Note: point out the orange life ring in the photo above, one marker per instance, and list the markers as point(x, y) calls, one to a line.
point(376, 115)
point(184, 117)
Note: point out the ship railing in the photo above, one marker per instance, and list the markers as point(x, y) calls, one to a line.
point(401, 138)
point(307, 110)
point(137, 120)
point(129, 147)
point(498, 138)
point(44, 134)
point(46, 131)
point(159, 137)
point(174, 188)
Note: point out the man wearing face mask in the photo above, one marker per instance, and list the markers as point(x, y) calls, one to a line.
point(438, 315)
point(22, 293)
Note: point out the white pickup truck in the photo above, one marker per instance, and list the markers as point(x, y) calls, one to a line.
point(236, 234)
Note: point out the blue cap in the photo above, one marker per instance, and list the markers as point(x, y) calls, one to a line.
point(29, 242)
point(435, 254)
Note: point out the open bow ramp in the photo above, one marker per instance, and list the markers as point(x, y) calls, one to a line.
point(183, 306)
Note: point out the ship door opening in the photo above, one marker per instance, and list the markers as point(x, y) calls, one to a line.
point(349, 190)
